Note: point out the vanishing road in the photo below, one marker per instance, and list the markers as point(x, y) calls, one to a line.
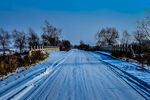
point(76, 75)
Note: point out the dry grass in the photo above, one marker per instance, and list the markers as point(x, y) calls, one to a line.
point(10, 63)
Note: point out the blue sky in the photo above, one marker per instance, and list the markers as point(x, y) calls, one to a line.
point(78, 19)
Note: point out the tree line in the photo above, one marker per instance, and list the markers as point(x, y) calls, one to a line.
point(139, 41)
point(51, 37)
point(110, 35)
point(21, 40)
point(27, 40)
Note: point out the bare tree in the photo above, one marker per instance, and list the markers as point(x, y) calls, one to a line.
point(139, 36)
point(126, 37)
point(4, 39)
point(19, 39)
point(83, 46)
point(50, 34)
point(144, 26)
point(33, 39)
point(81, 42)
point(107, 36)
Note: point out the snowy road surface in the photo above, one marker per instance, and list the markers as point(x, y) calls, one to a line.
point(76, 75)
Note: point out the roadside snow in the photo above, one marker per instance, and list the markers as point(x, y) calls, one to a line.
point(13, 73)
point(54, 56)
point(29, 74)
point(130, 68)
point(104, 52)
point(136, 63)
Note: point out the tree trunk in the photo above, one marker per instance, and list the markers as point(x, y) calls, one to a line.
point(3, 49)
point(20, 50)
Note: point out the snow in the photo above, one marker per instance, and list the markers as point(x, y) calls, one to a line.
point(104, 52)
point(73, 75)
point(128, 67)
point(12, 73)
point(133, 72)
point(135, 62)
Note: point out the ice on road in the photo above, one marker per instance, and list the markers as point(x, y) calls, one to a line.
point(76, 75)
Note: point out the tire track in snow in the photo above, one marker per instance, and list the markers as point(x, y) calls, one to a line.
point(18, 92)
point(129, 79)
point(85, 82)
point(54, 71)
point(85, 78)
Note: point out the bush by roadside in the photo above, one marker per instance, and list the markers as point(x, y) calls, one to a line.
point(120, 54)
point(142, 55)
point(9, 63)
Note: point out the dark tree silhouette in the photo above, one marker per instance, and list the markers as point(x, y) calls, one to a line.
point(139, 36)
point(65, 44)
point(4, 39)
point(33, 39)
point(83, 46)
point(126, 37)
point(107, 36)
point(20, 39)
point(144, 26)
point(50, 35)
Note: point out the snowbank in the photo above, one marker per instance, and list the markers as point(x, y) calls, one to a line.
point(104, 52)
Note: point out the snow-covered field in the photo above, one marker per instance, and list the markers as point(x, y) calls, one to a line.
point(75, 75)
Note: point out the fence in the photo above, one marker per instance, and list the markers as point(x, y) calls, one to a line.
point(120, 47)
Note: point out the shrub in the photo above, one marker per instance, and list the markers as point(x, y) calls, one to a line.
point(147, 55)
point(37, 55)
point(121, 54)
point(9, 63)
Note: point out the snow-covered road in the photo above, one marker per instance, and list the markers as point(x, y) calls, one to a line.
point(76, 75)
